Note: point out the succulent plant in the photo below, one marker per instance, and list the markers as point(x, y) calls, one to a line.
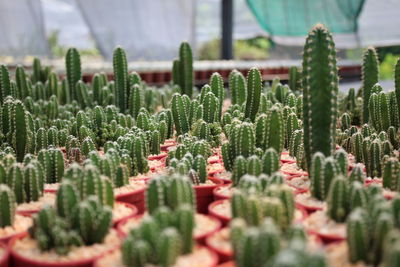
point(254, 84)
point(73, 68)
point(320, 87)
point(322, 172)
point(183, 70)
point(379, 110)
point(8, 206)
point(370, 74)
point(180, 114)
point(337, 200)
point(237, 85)
point(120, 66)
point(391, 174)
point(52, 160)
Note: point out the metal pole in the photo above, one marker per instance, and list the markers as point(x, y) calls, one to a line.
point(227, 29)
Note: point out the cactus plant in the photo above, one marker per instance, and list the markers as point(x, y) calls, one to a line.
point(322, 172)
point(52, 160)
point(73, 68)
point(254, 81)
point(120, 66)
point(370, 74)
point(237, 85)
point(8, 206)
point(320, 87)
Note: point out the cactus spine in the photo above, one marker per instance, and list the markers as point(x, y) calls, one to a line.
point(320, 87)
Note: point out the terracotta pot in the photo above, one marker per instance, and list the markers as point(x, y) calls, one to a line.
point(223, 219)
point(204, 194)
point(223, 256)
point(136, 198)
point(51, 191)
point(18, 260)
point(168, 143)
point(132, 214)
point(200, 239)
point(218, 195)
point(294, 173)
point(4, 259)
point(214, 160)
point(160, 156)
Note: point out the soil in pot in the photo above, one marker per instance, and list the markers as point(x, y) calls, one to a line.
point(25, 252)
point(34, 206)
point(204, 193)
point(337, 255)
point(133, 193)
point(325, 228)
point(200, 257)
point(21, 225)
point(309, 203)
point(223, 192)
point(220, 243)
point(292, 169)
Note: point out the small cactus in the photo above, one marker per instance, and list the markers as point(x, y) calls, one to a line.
point(370, 74)
point(52, 160)
point(120, 66)
point(237, 84)
point(8, 206)
point(254, 85)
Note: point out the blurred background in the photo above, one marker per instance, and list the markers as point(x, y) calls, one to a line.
point(269, 33)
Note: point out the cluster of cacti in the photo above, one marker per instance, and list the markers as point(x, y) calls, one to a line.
point(170, 191)
point(161, 238)
point(265, 244)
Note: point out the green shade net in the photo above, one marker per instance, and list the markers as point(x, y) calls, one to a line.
point(296, 17)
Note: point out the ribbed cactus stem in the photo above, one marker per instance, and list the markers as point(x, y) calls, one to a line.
point(370, 75)
point(320, 87)
point(73, 69)
point(186, 69)
point(120, 66)
point(237, 85)
point(7, 206)
point(357, 236)
point(254, 84)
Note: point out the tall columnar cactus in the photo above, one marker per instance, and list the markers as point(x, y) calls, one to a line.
point(275, 135)
point(241, 143)
point(120, 66)
point(180, 114)
point(237, 85)
point(370, 75)
point(322, 171)
point(22, 82)
point(391, 174)
point(373, 158)
point(356, 146)
point(338, 206)
point(357, 236)
point(73, 68)
point(270, 161)
point(186, 69)
point(7, 206)
point(52, 160)
point(217, 87)
point(33, 183)
point(320, 88)
point(16, 182)
point(254, 85)
point(135, 101)
point(379, 111)
point(22, 139)
point(292, 124)
point(5, 85)
point(211, 106)
point(294, 78)
point(397, 85)
point(345, 121)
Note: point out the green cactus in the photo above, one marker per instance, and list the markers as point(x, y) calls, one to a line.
point(185, 69)
point(391, 174)
point(345, 121)
point(292, 124)
point(135, 100)
point(357, 174)
point(241, 143)
point(210, 106)
point(52, 160)
point(5, 85)
point(294, 78)
point(73, 69)
point(320, 88)
point(121, 176)
point(370, 75)
point(16, 182)
point(200, 166)
point(254, 84)
point(338, 206)
point(217, 88)
point(322, 172)
point(374, 155)
point(22, 82)
point(8, 206)
point(33, 182)
point(180, 114)
point(357, 236)
point(67, 198)
point(379, 111)
point(120, 66)
point(270, 161)
point(22, 134)
point(237, 85)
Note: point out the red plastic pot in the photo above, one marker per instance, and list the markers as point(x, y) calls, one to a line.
point(294, 173)
point(160, 156)
point(214, 160)
point(217, 171)
point(136, 198)
point(132, 214)
point(4, 259)
point(6, 239)
point(228, 264)
point(223, 219)
point(51, 191)
point(167, 144)
point(327, 238)
point(18, 260)
point(200, 239)
point(308, 209)
point(218, 195)
point(286, 160)
point(223, 255)
point(204, 194)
